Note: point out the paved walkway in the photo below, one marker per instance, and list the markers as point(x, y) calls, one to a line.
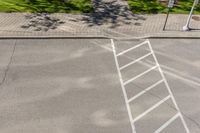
point(18, 24)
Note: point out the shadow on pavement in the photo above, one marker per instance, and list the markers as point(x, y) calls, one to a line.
point(111, 12)
point(42, 22)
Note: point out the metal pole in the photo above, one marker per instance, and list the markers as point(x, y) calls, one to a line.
point(186, 27)
point(170, 5)
point(166, 18)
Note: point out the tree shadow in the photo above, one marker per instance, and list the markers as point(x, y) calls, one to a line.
point(41, 22)
point(111, 12)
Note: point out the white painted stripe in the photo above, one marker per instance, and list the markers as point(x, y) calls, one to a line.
point(145, 72)
point(168, 88)
point(102, 46)
point(151, 109)
point(133, 62)
point(123, 88)
point(144, 91)
point(167, 123)
point(132, 48)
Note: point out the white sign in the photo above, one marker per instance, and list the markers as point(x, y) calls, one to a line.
point(196, 2)
point(171, 3)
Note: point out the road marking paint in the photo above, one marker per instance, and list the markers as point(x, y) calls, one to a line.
point(167, 123)
point(167, 71)
point(123, 88)
point(168, 88)
point(151, 109)
point(102, 46)
point(133, 62)
point(144, 91)
point(132, 48)
point(162, 80)
point(141, 74)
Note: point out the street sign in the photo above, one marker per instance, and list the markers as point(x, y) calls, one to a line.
point(196, 2)
point(171, 3)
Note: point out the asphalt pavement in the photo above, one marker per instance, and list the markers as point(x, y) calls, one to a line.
point(73, 86)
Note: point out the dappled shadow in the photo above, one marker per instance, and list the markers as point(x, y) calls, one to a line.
point(112, 12)
point(41, 22)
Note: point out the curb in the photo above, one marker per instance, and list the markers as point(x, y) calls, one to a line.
point(161, 35)
point(54, 37)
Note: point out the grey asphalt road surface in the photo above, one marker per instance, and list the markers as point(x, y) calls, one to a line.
point(73, 86)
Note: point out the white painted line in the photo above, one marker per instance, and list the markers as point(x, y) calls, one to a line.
point(152, 108)
point(167, 123)
point(156, 105)
point(104, 47)
point(131, 63)
point(125, 51)
point(141, 74)
point(144, 91)
point(123, 88)
point(116, 32)
point(174, 73)
point(168, 88)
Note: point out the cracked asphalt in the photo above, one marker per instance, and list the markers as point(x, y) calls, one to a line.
point(72, 86)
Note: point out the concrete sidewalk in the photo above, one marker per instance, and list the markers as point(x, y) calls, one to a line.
point(76, 25)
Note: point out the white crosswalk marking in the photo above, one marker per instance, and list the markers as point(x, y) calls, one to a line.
point(145, 90)
point(141, 74)
point(162, 80)
point(167, 123)
point(152, 108)
point(133, 62)
point(132, 48)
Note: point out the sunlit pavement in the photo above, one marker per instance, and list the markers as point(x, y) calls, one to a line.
point(73, 86)
point(13, 25)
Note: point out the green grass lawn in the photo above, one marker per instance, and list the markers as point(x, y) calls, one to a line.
point(82, 6)
point(153, 6)
point(85, 6)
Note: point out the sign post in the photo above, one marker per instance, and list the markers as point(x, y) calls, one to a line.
point(187, 26)
point(170, 5)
